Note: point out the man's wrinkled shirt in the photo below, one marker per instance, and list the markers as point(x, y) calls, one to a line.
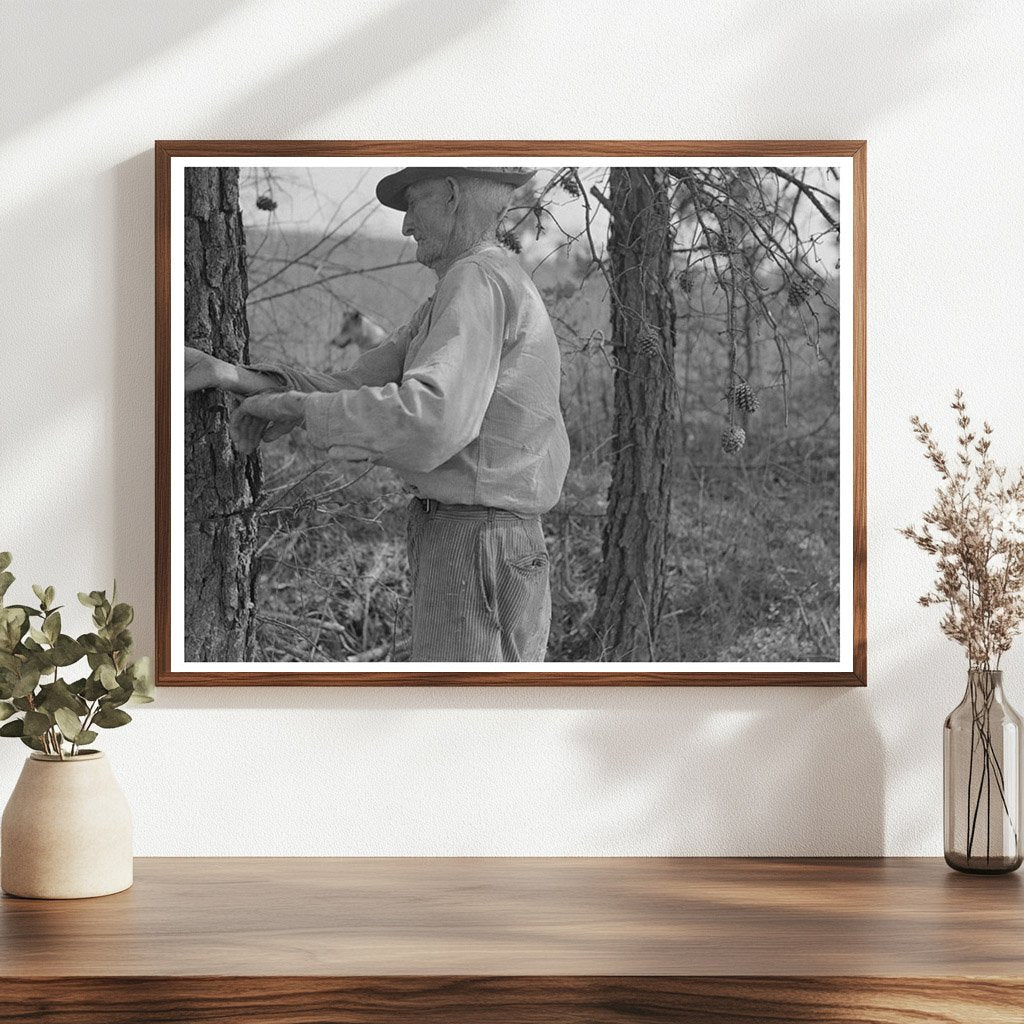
point(462, 401)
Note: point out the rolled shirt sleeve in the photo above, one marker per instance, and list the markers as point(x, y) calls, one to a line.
point(436, 408)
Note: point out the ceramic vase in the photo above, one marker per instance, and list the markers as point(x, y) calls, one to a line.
point(66, 830)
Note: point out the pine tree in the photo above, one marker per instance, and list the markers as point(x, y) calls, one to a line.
point(222, 487)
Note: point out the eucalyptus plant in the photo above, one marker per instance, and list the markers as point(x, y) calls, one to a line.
point(46, 712)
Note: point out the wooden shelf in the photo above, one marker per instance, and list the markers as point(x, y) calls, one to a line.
point(571, 941)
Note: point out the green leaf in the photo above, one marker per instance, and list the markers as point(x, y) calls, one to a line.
point(124, 641)
point(27, 681)
point(122, 615)
point(6, 710)
point(15, 615)
point(8, 676)
point(94, 689)
point(69, 724)
point(50, 595)
point(36, 723)
point(31, 741)
point(59, 695)
point(111, 718)
point(86, 736)
point(38, 635)
point(13, 624)
point(28, 610)
point(40, 592)
point(6, 579)
point(99, 645)
point(107, 676)
point(5, 559)
point(89, 600)
point(115, 698)
point(67, 651)
point(94, 644)
point(51, 626)
point(142, 679)
point(15, 728)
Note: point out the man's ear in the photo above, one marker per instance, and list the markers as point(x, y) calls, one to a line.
point(452, 193)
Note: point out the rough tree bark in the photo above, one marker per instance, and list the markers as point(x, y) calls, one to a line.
point(222, 487)
point(630, 590)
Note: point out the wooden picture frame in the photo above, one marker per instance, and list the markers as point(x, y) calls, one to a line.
point(715, 164)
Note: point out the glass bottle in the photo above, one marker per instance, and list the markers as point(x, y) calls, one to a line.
point(981, 774)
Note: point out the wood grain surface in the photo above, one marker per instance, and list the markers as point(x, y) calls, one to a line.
point(284, 941)
point(518, 1000)
point(501, 916)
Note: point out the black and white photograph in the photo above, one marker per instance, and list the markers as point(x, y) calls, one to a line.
point(572, 417)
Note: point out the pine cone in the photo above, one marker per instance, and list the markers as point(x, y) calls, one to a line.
point(650, 345)
point(743, 396)
point(733, 439)
point(798, 292)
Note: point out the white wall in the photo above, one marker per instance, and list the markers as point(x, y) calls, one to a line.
point(938, 90)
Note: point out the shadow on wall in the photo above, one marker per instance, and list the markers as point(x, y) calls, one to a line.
point(738, 772)
point(396, 38)
point(117, 36)
point(119, 41)
point(693, 771)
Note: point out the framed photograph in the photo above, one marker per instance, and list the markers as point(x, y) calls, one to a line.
point(493, 413)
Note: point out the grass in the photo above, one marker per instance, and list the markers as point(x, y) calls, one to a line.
point(751, 573)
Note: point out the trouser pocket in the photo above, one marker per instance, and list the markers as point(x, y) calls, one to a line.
point(480, 589)
point(520, 591)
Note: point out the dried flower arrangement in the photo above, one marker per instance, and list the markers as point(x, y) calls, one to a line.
point(976, 528)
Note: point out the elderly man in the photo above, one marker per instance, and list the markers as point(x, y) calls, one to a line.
point(462, 402)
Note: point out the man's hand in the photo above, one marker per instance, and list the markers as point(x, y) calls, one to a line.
point(203, 370)
point(266, 417)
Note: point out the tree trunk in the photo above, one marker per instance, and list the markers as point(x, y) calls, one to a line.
point(222, 486)
point(630, 590)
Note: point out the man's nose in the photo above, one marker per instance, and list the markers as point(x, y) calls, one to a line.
point(407, 225)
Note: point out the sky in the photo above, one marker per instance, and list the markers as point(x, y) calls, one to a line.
point(321, 199)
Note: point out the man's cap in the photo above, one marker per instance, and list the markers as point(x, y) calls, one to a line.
point(391, 190)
